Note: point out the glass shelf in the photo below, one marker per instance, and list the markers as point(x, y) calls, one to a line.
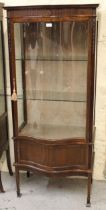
point(53, 96)
point(52, 58)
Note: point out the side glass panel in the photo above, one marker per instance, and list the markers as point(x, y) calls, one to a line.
point(19, 71)
point(2, 97)
point(51, 71)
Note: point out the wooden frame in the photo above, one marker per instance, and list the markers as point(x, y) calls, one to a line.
point(4, 137)
point(43, 154)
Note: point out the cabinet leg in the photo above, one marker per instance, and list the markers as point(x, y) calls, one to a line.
point(91, 179)
point(9, 161)
point(28, 174)
point(18, 182)
point(89, 190)
point(1, 186)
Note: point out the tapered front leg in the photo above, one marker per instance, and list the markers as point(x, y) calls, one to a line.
point(89, 190)
point(18, 182)
point(28, 174)
point(9, 161)
point(1, 186)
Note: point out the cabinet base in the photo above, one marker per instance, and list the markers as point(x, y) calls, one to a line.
point(86, 173)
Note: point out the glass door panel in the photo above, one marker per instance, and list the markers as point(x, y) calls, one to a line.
point(52, 78)
point(2, 94)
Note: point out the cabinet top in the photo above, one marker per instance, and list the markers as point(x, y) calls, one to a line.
point(51, 6)
point(65, 12)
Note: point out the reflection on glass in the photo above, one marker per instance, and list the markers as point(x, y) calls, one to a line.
point(2, 98)
point(51, 65)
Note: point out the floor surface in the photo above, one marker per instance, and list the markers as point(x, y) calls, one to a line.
point(42, 193)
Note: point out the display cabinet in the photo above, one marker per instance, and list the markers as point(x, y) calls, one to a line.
point(52, 60)
point(4, 142)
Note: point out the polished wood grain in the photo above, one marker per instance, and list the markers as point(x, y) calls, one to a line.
point(55, 156)
point(60, 156)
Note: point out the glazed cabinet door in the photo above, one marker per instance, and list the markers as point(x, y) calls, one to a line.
point(51, 61)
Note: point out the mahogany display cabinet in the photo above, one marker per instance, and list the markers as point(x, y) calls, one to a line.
point(4, 138)
point(52, 71)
